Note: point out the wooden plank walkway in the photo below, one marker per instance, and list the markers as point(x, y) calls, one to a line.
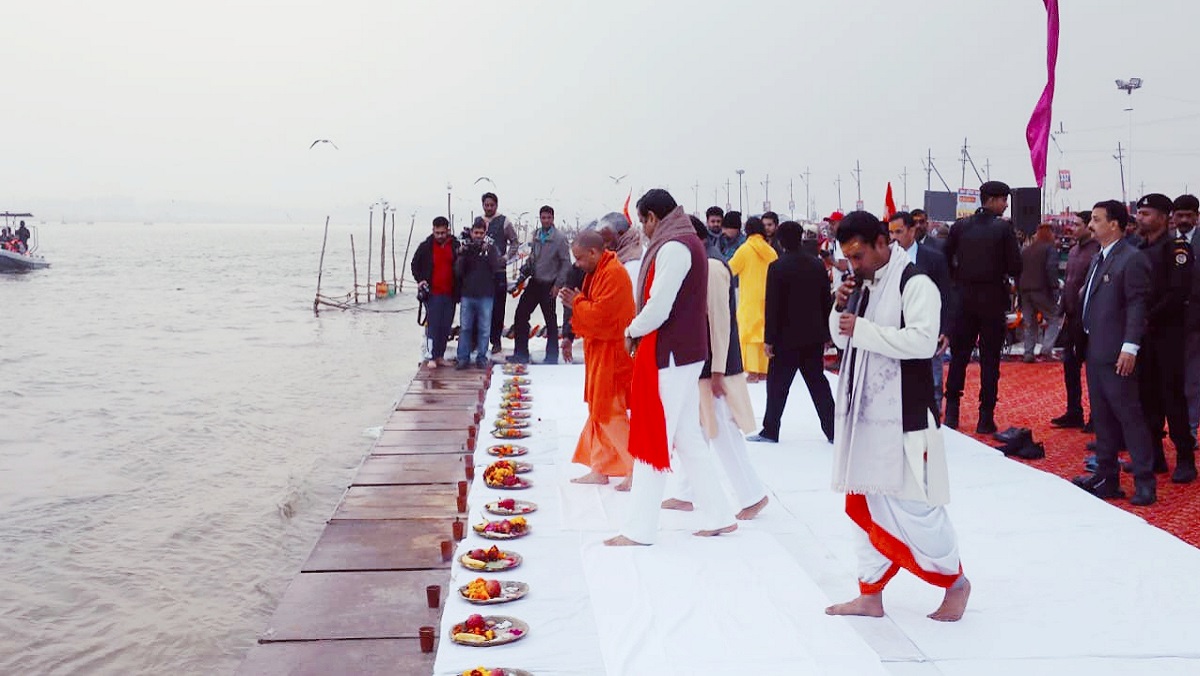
point(359, 600)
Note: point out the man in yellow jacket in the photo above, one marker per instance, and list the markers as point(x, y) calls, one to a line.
point(749, 264)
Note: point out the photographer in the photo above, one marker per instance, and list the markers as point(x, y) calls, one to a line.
point(433, 268)
point(475, 272)
point(551, 260)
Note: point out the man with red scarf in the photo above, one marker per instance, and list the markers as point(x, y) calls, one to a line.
point(670, 334)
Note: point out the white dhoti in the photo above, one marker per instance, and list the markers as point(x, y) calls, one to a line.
point(680, 395)
point(729, 446)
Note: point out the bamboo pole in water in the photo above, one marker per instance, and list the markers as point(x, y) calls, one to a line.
point(354, 261)
point(382, 246)
point(411, 225)
point(393, 248)
point(321, 265)
point(370, 238)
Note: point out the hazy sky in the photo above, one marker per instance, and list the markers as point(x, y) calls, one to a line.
point(217, 101)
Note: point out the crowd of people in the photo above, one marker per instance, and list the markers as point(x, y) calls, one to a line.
point(677, 319)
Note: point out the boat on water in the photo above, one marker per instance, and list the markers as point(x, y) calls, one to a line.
point(17, 255)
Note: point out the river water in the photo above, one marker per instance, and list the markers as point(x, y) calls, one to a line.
point(177, 427)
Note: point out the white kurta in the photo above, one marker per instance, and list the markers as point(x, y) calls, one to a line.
point(926, 479)
point(917, 517)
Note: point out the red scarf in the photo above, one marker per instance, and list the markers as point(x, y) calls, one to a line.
point(647, 421)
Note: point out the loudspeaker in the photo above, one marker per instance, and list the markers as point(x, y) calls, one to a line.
point(1026, 208)
point(940, 205)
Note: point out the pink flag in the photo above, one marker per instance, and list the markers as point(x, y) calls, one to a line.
point(1038, 131)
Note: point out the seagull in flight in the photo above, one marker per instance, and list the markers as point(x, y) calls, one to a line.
point(323, 140)
point(617, 179)
point(484, 178)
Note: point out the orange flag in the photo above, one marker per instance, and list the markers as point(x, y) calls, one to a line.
point(889, 204)
point(626, 210)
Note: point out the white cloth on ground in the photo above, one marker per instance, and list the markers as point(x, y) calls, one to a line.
point(680, 394)
point(730, 448)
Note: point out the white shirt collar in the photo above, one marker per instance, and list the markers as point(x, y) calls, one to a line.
point(1104, 250)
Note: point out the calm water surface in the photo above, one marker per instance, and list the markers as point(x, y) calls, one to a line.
point(177, 427)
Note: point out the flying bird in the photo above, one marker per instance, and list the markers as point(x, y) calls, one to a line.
point(617, 179)
point(484, 178)
point(323, 140)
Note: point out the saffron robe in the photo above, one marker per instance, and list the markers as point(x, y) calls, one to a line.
point(600, 314)
point(749, 264)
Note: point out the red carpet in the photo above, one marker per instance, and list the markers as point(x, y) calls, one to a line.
point(1032, 394)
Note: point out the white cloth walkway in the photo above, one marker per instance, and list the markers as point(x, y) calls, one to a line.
point(1062, 582)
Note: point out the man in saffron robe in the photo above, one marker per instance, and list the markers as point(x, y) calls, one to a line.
point(888, 453)
point(600, 311)
point(670, 333)
point(750, 264)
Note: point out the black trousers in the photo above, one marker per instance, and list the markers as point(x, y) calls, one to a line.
point(809, 362)
point(1074, 342)
point(498, 300)
point(981, 320)
point(1120, 422)
point(1160, 387)
point(537, 295)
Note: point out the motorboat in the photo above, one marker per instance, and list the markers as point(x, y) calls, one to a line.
point(14, 255)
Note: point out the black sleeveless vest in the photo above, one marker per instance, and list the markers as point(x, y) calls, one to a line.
point(916, 379)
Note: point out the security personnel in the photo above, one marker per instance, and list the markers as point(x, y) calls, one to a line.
point(1161, 357)
point(982, 252)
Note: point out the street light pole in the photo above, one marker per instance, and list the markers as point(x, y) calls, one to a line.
point(1128, 87)
point(739, 173)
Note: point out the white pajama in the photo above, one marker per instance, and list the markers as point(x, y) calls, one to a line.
point(680, 394)
point(730, 449)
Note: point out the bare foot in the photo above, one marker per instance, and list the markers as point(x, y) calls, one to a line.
point(622, 541)
point(867, 605)
point(753, 510)
point(625, 484)
point(955, 603)
point(591, 478)
point(679, 505)
point(713, 533)
point(432, 364)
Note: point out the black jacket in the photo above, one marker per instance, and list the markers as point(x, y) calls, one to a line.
point(798, 302)
point(932, 262)
point(422, 261)
point(474, 269)
point(1171, 264)
point(982, 250)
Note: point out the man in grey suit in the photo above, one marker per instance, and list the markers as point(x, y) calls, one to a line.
point(1114, 318)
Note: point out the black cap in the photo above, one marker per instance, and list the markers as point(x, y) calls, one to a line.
point(1186, 203)
point(994, 189)
point(1157, 201)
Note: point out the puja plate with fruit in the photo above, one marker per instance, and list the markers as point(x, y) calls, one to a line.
point(490, 559)
point(496, 671)
point(514, 369)
point(507, 450)
point(490, 592)
point(478, 630)
point(517, 381)
point(510, 434)
point(506, 423)
point(510, 506)
point(504, 529)
point(502, 474)
point(514, 405)
point(506, 414)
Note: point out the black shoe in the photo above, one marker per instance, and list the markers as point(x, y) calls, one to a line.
point(1090, 464)
point(1185, 473)
point(1031, 452)
point(951, 420)
point(550, 362)
point(986, 426)
point(1160, 466)
point(462, 365)
point(483, 364)
point(1068, 420)
point(1089, 427)
point(517, 359)
point(1143, 495)
point(1105, 489)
